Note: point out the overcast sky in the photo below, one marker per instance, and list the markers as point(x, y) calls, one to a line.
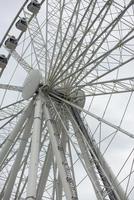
point(8, 10)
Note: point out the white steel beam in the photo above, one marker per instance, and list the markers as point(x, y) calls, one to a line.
point(37, 42)
point(35, 146)
point(10, 140)
point(59, 187)
point(109, 87)
point(44, 173)
point(11, 87)
point(16, 165)
point(21, 61)
point(95, 116)
point(111, 184)
point(89, 165)
point(58, 154)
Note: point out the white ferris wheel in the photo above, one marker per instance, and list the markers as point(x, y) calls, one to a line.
point(67, 102)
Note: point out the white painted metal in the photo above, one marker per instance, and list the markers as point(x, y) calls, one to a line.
point(44, 174)
point(11, 87)
point(58, 154)
point(96, 117)
point(85, 155)
point(90, 167)
point(21, 61)
point(106, 170)
point(78, 97)
point(34, 158)
point(14, 133)
point(31, 84)
point(77, 44)
point(18, 159)
point(114, 182)
point(59, 188)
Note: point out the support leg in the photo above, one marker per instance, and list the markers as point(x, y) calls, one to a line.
point(16, 165)
point(60, 159)
point(35, 146)
point(14, 133)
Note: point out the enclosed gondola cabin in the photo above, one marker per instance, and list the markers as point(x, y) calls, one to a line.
point(21, 24)
point(11, 43)
point(3, 62)
point(34, 7)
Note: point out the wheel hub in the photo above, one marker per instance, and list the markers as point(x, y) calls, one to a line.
point(34, 82)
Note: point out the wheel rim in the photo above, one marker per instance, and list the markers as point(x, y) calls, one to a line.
point(77, 46)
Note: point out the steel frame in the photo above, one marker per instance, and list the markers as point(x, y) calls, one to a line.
point(66, 68)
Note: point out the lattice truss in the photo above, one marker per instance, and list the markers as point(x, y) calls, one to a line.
point(72, 138)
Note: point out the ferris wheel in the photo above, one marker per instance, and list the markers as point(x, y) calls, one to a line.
point(67, 102)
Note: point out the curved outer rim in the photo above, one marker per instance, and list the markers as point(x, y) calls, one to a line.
point(13, 23)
